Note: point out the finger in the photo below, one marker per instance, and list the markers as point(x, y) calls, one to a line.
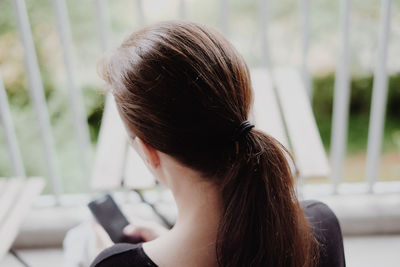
point(131, 230)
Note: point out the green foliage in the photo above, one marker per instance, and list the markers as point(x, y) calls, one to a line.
point(6, 17)
point(359, 111)
point(393, 106)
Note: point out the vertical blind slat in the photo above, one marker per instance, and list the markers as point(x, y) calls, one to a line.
point(182, 9)
point(341, 100)
point(103, 23)
point(263, 20)
point(76, 99)
point(11, 138)
point(224, 17)
point(141, 16)
point(37, 95)
point(305, 36)
point(379, 98)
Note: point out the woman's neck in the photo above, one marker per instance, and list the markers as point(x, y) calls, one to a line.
point(195, 232)
point(198, 201)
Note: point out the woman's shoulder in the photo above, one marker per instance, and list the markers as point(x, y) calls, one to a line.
point(123, 255)
point(318, 211)
point(322, 219)
point(327, 231)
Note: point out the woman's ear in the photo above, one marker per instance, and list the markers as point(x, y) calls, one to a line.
point(147, 152)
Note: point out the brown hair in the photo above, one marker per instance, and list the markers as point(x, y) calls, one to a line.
point(183, 89)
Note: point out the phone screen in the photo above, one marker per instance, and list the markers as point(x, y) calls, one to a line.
point(111, 218)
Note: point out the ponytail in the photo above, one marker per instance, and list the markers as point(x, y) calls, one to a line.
point(262, 222)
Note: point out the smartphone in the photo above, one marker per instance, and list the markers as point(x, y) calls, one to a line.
point(111, 218)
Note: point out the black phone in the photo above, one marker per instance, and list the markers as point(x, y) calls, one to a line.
point(111, 218)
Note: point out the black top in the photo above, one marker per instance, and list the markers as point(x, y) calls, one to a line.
point(123, 255)
point(326, 229)
point(323, 221)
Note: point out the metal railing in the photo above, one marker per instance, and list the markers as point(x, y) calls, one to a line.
point(341, 93)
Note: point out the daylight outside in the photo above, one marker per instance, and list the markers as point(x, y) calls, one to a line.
point(326, 84)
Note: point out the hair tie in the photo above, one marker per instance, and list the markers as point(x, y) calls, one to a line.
point(242, 130)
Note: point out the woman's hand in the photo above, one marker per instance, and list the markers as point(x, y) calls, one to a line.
point(102, 240)
point(146, 230)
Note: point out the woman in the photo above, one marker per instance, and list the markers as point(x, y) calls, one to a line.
point(184, 94)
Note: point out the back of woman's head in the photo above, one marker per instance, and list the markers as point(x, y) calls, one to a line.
point(184, 90)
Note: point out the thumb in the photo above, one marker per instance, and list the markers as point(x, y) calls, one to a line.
point(131, 230)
